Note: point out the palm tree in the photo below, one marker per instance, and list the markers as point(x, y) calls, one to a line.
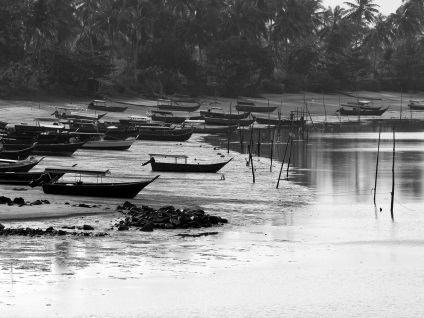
point(406, 21)
point(333, 31)
point(360, 11)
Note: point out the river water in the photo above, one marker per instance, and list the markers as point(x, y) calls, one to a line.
point(317, 245)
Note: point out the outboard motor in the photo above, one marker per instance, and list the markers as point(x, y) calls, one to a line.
point(152, 160)
point(44, 178)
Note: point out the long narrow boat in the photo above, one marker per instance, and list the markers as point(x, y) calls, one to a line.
point(277, 122)
point(23, 178)
point(182, 134)
point(7, 152)
point(361, 112)
point(53, 185)
point(102, 106)
point(164, 104)
point(199, 127)
point(216, 112)
point(104, 144)
point(18, 165)
point(183, 167)
point(416, 104)
point(225, 121)
point(246, 106)
point(64, 113)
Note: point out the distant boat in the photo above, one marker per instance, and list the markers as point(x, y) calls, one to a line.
point(53, 185)
point(103, 144)
point(169, 117)
point(167, 104)
point(73, 113)
point(362, 104)
point(182, 134)
point(226, 121)
point(247, 106)
point(416, 104)
point(218, 112)
point(101, 105)
point(361, 112)
point(18, 165)
point(183, 167)
point(200, 127)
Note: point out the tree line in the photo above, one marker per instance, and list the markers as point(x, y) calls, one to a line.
point(226, 47)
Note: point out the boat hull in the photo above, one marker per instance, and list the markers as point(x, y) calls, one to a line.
point(20, 166)
point(108, 144)
point(361, 112)
point(114, 109)
point(112, 190)
point(59, 149)
point(187, 167)
point(165, 135)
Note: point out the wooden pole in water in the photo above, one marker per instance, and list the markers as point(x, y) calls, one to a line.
point(325, 110)
point(376, 166)
point(393, 177)
point(282, 163)
point(272, 147)
point(229, 133)
point(251, 163)
point(288, 163)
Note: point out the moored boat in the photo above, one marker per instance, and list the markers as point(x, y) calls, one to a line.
point(101, 105)
point(416, 104)
point(200, 127)
point(247, 106)
point(217, 112)
point(165, 104)
point(183, 167)
point(181, 134)
point(103, 144)
point(53, 185)
point(18, 165)
point(346, 111)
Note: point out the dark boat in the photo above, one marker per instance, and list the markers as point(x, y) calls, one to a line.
point(183, 167)
point(200, 127)
point(51, 185)
point(164, 104)
point(58, 149)
point(18, 165)
point(24, 178)
point(416, 104)
point(361, 112)
point(278, 122)
point(246, 106)
point(67, 113)
point(216, 112)
point(101, 105)
point(22, 153)
point(182, 134)
point(228, 122)
point(167, 117)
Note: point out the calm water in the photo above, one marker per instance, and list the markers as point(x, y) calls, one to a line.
point(317, 245)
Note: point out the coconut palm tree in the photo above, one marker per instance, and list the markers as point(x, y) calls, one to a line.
point(406, 21)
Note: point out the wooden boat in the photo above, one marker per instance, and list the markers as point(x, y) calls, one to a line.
point(199, 127)
point(7, 152)
point(346, 111)
point(167, 117)
point(53, 185)
point(166, 104)
point(103, 144)
point(228, 122)
point(217, 112)
point(101, 105)
point(416, 104)
point(23, 178)
point(246, 106)
point(67, 113)
point(182, 134)
point(58, 149)
point(362, 104)
point(183, 167)
point(140, 121)
point(3, 125)
point(278, 122)
point(18, 165)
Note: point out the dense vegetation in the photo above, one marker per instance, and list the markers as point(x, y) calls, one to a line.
point(226, 47)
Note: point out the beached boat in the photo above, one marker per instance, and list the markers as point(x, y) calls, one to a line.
point(228, 122)
point(218, 112)
point(278, 122)
point(103, 144)
point(181, 134)
point(16, 153)
point(24, 178)
point(101, 105)
point(54, 185)
point(167, 117)
point(362, 104)
point(140, 121)
point(166, 104)
point(74, 113)
point(57, 149)
point(200, 127)
point(416, 104)
point(183, 167)
point(346, 111)
point(18, 165)
point(247, 106)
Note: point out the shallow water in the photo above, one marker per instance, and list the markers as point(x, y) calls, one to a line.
point(315, 246)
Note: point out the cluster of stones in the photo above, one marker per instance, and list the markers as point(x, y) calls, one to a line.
point(20, 201)
point(50, 231)
point(168, 217)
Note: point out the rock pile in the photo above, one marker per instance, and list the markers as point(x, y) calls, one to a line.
point(168, 217)
point(20, 201)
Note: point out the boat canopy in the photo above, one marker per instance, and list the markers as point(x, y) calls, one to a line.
point(77, 171)
point(167, 155)
point(194, 121)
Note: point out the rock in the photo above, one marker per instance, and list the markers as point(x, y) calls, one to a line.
point(147, 228)
point(86, 227)
point(5, 200)
point(83, 205)
point(37, 202)
point(2, 227)
point(19, 201)
point(123, 227)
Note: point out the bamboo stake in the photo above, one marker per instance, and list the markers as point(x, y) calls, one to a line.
point(272, 148)
point(251, 163)
point(325, 110)
point(376, 166)
point(282, 163)
point(393, 177)
point(288, 163)
point(229, 134)
point(259, 143)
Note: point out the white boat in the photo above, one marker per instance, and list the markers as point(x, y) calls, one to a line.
point(102, 144)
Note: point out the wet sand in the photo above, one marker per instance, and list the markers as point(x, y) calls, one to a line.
point(284, 253)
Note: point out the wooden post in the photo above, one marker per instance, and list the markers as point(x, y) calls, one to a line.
point(282, 163)
point(229, 133)
point(325, 110)
point(259, 143)
point(288, 163)
point(393, 177)
point(376, 166)
point(272, 147)
point(251, 163)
